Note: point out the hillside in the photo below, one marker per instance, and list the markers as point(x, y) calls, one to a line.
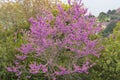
point(109, 20)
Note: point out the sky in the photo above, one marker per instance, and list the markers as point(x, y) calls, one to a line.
point(97, 6)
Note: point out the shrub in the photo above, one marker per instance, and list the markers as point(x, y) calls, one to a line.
point(108, 65)
point(61, 50)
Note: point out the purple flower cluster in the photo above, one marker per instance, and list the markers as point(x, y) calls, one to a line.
point(25, 50)
point(34, 68)
point(77, 69)
point(15, 69)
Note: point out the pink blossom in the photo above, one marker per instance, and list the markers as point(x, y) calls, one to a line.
point(34, 68)
point(21, 57)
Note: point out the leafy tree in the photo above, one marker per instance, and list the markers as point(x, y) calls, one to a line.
point(103, 17)
point(111, 12)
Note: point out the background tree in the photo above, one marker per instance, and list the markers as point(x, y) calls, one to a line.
point(103, 17)
point(16, 13)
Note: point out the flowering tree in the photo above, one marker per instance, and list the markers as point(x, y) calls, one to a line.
point(60, 45)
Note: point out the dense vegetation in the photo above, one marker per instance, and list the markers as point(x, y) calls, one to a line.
point(57, 42)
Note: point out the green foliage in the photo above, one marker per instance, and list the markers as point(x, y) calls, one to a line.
point(9, 41)
point(12, 15)
point(117, 29)
point(108, 65)
point(16, 13)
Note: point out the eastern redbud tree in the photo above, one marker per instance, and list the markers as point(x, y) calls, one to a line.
point(58, 46)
